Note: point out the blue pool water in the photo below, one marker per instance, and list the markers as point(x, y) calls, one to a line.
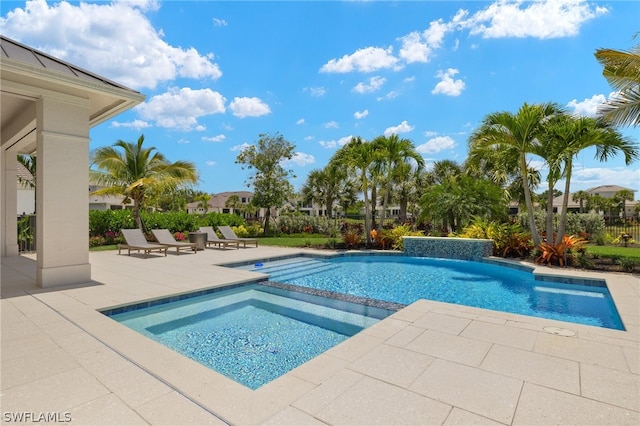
point(404, 280)
point(253, 333)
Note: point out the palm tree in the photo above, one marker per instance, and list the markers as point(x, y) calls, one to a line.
point(622, 197)
point(324, 186)
point(203, 202)
point(621, 69)
point(394, 153)
point(131, 170)
point(518, 131)
point(570, 135)
point(581, 197)
point(234, 202)
point(358, 156)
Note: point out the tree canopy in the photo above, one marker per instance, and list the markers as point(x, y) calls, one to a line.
point(270, 180)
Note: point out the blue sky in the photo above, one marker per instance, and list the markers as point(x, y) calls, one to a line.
point(217, 74)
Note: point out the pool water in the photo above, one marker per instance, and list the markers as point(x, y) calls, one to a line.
point(404, 280)
point(252, 334)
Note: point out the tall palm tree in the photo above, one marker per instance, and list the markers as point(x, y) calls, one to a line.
point(518, 131)
point(131, 170)
point(622, 71)
point(324, 186)
point(622, 197)
point(571, 135)
point(394, 152)
point(358, 156)
point(581, 197)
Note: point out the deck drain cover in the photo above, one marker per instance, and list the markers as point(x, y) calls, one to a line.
point(560, 331)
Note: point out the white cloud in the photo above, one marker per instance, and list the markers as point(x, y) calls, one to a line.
point(410, 79)
point(374, 84)
point(540, 19)
point(219, 138)
point(403, 127)
point(135, 124)
point(331, 125)
point(447, 85)
point(183, 141)
point(217, 22)
point(430, 133)
point(361, 114)
point(345, 140)
point(435, 145)
point(414, 49)
point(368, 59)
point(300, 159)
point(248, 107)
point(328, 144)
point(391, 95)
point(316, 91)
point(240, 147)
point(114, 39)
point(334, 143)
point(589, 177)
point(211, 163)
point(309, 138)
point(299, 122)
point(180, 108)
point(588, 107)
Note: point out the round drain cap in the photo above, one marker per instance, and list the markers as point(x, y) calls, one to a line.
point(560, 331)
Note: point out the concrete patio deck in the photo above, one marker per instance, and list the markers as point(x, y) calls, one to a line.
point(430, 363)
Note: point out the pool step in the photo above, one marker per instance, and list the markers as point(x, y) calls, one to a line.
point(298, 265)
point(300, 273)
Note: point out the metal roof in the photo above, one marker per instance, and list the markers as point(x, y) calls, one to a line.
point(19, 52)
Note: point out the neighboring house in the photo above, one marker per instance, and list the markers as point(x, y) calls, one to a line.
point(105, 202)
point(218, 202)
point(605, 191)
point(26, 192)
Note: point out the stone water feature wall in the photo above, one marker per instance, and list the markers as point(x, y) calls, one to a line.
point(446, 247)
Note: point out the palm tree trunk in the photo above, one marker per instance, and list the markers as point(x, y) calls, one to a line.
point(527, 198)
point(136, 214)
point(565, 203)
point(367, 212)
point(549, 216)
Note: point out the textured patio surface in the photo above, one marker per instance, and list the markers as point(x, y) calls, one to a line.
point(430, 363)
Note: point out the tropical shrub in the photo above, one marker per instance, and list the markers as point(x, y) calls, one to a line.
point(300, 223)
point(352, 234)
point(588, 225)
point(395, 236)
point(561, 254)
point(509, 239)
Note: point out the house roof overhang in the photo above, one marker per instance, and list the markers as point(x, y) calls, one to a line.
point(27, 74)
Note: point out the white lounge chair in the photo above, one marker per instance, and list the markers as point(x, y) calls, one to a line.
point(136, 241)
point(165, 238)
point(228, 234)
point(212, 238)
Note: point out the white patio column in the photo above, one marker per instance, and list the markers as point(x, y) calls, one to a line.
point(9, 202)
point(61, 192)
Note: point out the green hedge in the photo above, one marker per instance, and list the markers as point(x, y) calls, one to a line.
point(102, 222)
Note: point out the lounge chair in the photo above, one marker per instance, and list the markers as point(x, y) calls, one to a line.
point(228, 234)
point(165, 238)
point(136, 241)
point(212, 238)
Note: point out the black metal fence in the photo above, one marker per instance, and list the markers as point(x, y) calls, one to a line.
point(619, 228)
point(27, 233)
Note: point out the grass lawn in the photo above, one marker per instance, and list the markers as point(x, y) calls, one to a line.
point(104, 248)
point(631, 252)
point(305, 241)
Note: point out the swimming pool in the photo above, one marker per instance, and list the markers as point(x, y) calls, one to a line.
point(250, 333)
point(404, 280)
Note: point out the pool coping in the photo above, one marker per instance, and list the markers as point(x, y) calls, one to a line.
point(235, 404)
